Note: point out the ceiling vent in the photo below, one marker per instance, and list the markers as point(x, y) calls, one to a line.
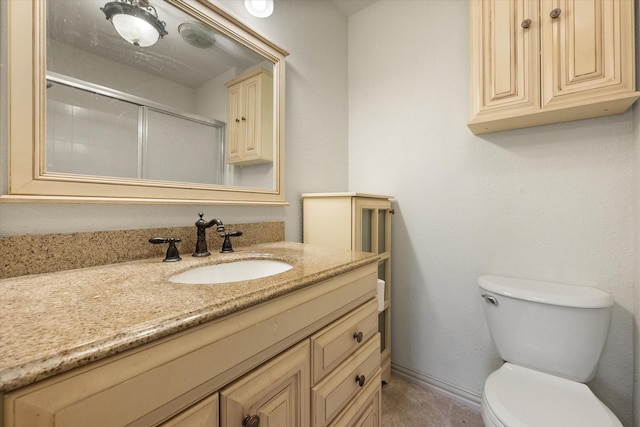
point(196, 35)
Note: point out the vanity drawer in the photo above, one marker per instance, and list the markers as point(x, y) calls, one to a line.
point(336, 391)
point(333, 344)
point(365, 410)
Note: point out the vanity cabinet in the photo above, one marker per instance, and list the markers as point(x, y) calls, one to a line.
point(360, 222)
point(250, 119)
point(254, 365)
point(537, 62)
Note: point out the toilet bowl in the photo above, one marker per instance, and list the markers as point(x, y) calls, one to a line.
point(520, 397)
point(551, 337)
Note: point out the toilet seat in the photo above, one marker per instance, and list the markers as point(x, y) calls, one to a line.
point(521, 397)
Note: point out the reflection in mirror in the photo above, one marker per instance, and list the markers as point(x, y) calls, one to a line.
point(160, 112)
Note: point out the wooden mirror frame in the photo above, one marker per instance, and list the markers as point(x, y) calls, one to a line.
point(26, 43)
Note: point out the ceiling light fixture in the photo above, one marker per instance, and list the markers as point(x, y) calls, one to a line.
point(259, 8)
point(136, 21)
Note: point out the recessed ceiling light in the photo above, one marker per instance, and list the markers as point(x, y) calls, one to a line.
point(259, 8)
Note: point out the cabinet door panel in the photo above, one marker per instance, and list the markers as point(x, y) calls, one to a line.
point(277, 392)
point(505, 62)
point(252, 110)
point(583, 49)
point(234, 131)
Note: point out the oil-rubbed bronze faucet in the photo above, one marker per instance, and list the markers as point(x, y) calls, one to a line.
point(172, 251)
point(226, 245)
point(201, 242)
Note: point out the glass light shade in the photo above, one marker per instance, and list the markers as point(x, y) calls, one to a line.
point(135, 30)
point(259, 8)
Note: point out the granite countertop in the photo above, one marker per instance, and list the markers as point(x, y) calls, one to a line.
point(51, 323)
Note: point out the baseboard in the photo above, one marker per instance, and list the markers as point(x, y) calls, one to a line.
point(461, 395)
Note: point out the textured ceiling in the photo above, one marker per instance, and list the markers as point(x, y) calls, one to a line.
point(82, 25)
point(350, 7)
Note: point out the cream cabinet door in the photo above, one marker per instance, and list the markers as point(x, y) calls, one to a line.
point(275, 394)
point(505, 62)
point(235, 126)
point(253, 137)
point(587, 49)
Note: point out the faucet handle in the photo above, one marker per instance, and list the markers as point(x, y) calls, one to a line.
point(226, 245)
point(172, 251)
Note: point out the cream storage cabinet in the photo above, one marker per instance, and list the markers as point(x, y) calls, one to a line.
point(254, 367)
point(250, 121)
point(537, 62)
point(359, 222)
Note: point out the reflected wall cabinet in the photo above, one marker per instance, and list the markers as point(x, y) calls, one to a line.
point(536, 62)
point(361, 222)
point(250, 121)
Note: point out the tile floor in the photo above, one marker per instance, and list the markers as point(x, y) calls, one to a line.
point(405, 404)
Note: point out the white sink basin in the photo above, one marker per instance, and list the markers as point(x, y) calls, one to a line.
point(235, 271)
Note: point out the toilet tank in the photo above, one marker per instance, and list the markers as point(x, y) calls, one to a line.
point(550, 327)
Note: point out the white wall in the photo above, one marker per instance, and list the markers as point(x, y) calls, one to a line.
point(549, 203)
point(315, 133)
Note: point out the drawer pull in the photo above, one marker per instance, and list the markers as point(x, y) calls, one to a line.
point(251, 421)
point(555, 13)
point(358, 336)
point(360, 379)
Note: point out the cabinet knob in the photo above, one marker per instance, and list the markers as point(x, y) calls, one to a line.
point(360, 379)
point(251, 421)
point(526, 23)
point(555, 13)
point(358, 336)
point(237, 120)
point(244, 119)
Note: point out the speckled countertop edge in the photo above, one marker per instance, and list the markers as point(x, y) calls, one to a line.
point(52, 323)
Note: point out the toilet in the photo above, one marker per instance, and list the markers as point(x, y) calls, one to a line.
point(551, 337)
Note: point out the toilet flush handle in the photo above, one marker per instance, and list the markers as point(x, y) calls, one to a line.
point(490, 299)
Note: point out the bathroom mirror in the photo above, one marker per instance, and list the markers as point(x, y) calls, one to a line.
point(95, 118)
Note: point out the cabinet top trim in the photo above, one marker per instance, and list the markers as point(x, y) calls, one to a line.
point(346, 194)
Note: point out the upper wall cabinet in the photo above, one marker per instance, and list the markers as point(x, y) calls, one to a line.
point(250, 98)
point(537, 62)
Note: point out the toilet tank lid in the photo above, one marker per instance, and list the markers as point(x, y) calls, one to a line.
point(546, 292)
